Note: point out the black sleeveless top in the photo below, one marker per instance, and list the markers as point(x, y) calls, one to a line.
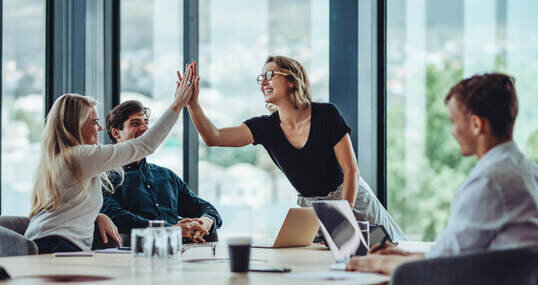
point(314, 169)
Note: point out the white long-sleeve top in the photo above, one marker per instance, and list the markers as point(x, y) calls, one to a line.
point(74, 218)
point(496, 208)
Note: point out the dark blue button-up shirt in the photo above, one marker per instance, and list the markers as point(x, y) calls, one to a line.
point(151, 192)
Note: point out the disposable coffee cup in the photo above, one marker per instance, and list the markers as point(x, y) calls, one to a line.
point(239, 250)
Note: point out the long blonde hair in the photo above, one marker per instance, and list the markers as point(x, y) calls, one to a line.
point(301, 92)
point(63, 131)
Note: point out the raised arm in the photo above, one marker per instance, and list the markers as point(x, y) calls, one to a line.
point(212, 136)
point(94, 159)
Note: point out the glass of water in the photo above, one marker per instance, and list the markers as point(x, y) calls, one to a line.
point(141, 249)
point(364, 227)
point(159, 248)
point(174, 245)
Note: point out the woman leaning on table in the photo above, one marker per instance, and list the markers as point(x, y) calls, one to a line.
point(67, 193)
point(308, 141)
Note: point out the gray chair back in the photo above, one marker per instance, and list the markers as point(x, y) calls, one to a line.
point(14, 244)
point(17, 224)
point(500, 267)
point(12, 240)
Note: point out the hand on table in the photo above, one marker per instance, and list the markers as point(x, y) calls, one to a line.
point(388, 249)
point(382, 261)
point(195, 228)
point(107, 228)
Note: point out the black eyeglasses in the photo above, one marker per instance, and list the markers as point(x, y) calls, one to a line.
point(268, 75)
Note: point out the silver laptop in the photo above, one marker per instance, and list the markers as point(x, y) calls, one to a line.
point(298, 229)
point(340, 230)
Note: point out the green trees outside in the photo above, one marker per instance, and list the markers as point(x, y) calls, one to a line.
point(423, 212)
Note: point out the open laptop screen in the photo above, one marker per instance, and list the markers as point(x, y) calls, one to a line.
point(339, 228)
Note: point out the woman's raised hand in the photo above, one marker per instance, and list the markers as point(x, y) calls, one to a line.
point(196, 92)
point(196, 84)
point(184, 88)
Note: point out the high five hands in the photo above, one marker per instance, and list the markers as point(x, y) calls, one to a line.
point(194, 81)
point(184, 89)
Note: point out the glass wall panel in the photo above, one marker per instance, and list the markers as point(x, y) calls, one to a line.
point(431, 45)
point(23, 89)
point(251, 193)
point(151, 52)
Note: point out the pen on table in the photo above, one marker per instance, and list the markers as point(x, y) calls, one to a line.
point(381, 245)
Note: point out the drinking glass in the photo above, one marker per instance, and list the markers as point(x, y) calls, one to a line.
point(174, 245)
point(141, 249)
point(159, 253)
point(364, 227)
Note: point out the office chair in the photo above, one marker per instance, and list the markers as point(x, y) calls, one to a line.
point(500, 267)
point(13, 243)
point(17, 224)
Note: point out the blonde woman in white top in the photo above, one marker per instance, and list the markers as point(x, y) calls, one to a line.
point(67, 194)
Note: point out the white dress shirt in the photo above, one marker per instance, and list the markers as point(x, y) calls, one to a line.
point(496, 207)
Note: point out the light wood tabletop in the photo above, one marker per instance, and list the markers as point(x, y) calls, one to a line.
point(120, 268)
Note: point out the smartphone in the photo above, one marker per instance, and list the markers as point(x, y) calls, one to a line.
point(378, 233)
point(271, 269)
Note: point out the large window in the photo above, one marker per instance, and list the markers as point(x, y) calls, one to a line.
point(250, 192)
point(431, 45)
point(23, 84)
point(151, 52)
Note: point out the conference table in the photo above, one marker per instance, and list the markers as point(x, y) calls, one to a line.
point(309, 265)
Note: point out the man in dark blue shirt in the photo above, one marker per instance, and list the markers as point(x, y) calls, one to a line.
point(151, 192)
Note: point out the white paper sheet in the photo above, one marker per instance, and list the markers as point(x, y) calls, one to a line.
point(357, 277)
point(113, 250)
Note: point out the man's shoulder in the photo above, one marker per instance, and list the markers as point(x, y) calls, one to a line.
point(508, 169)
point(507, 178)
point(163, 170)
point(154, 166)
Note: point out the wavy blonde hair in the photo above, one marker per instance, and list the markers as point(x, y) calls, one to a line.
point(300, 93)
point(63, 132)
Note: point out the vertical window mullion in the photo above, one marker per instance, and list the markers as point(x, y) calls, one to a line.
point(381, 32)
point(190, 53)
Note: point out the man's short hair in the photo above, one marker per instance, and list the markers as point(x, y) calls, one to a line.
point(491, 96)
point(119, 114)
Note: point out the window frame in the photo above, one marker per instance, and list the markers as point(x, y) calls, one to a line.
point(365, 73)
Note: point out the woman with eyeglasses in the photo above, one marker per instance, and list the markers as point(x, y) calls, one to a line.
point(308, 141)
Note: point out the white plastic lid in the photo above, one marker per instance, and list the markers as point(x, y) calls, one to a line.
point(239, 241)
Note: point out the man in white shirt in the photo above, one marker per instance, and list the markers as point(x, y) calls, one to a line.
point(497, 206)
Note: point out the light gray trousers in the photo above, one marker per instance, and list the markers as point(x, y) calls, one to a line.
point(367, 208)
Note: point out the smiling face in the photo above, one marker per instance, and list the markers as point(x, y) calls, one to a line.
point(275, 90)
point(91, 128)
point(135, 126)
